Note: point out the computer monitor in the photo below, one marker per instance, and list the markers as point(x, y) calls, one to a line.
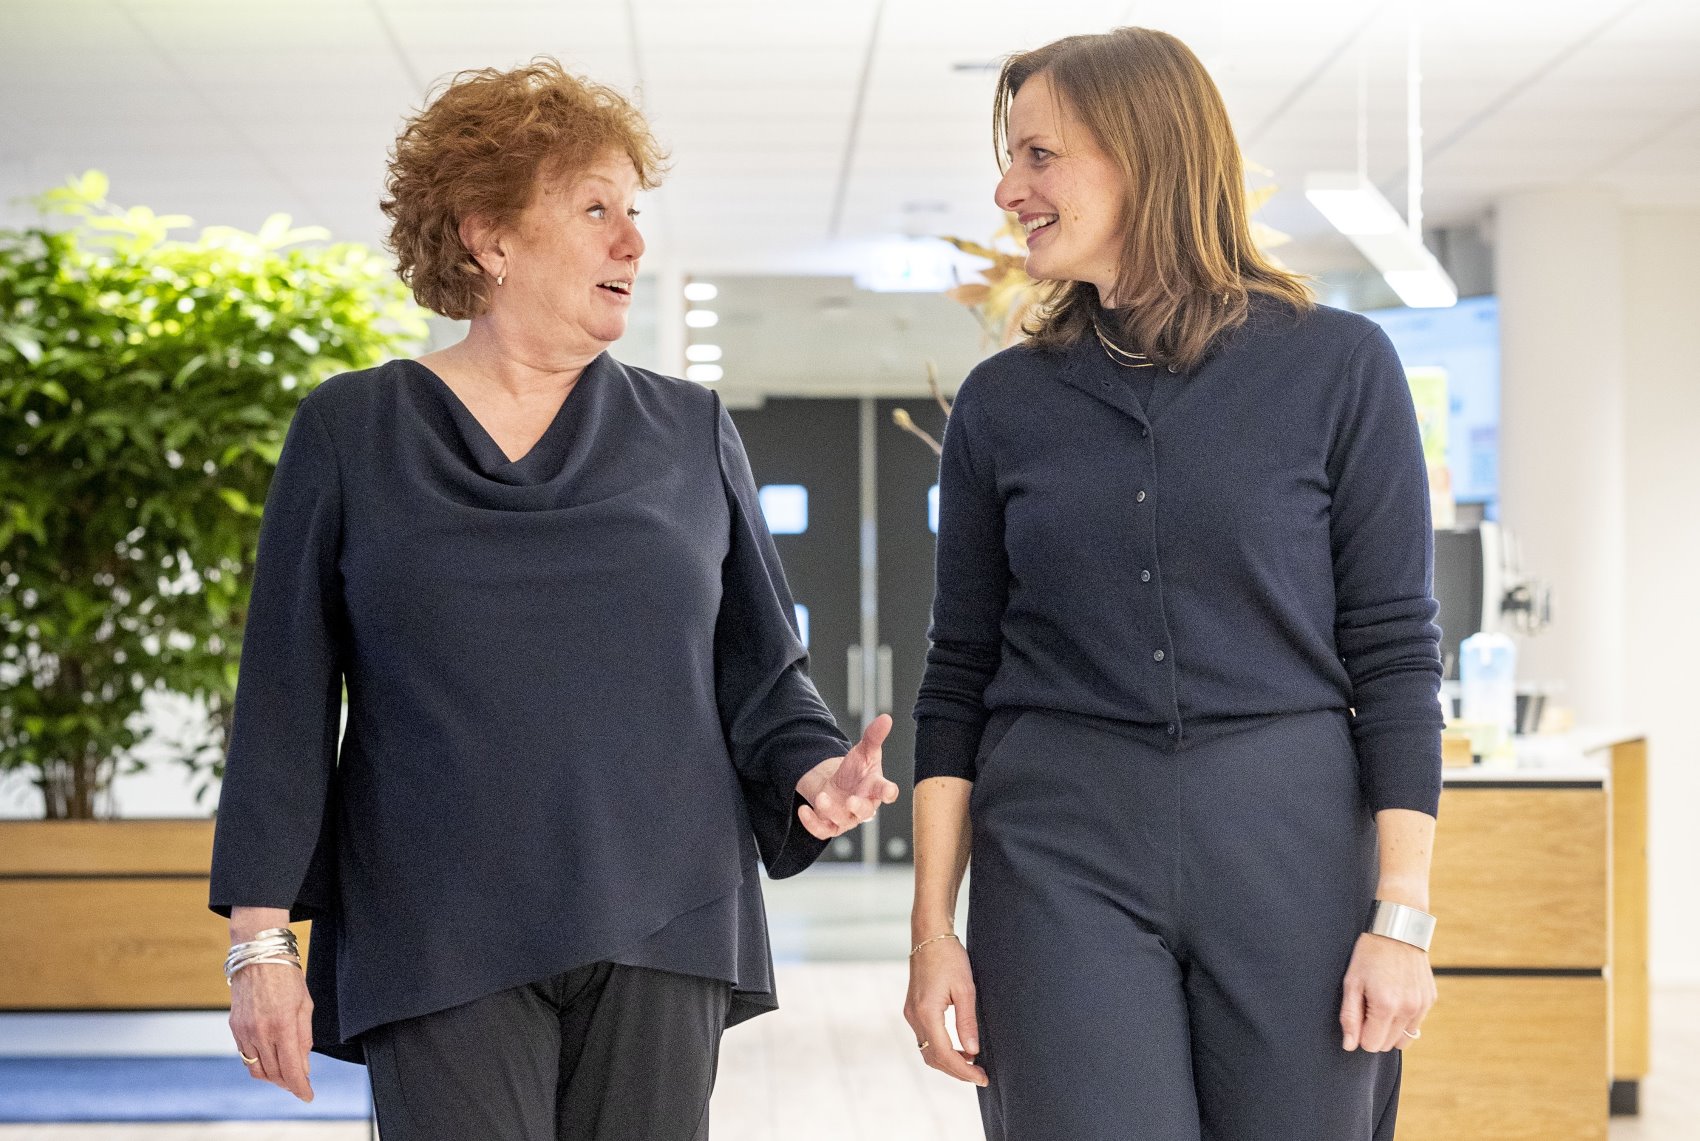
point(1463, 342)
point(1468, 571)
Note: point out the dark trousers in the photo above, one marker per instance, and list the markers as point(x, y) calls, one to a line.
point(1159, 933)
point(604, 1052)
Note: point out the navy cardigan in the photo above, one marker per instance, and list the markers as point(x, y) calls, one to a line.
point(1246, 539)
point(576, 699)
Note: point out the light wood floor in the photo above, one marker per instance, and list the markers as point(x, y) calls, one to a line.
point(838, 1064)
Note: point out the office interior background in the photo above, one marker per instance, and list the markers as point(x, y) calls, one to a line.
point(819, 153)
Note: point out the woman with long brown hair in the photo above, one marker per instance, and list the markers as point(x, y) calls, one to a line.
point(1181, 703)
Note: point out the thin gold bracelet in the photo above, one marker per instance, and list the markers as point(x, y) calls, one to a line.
point(934, 939)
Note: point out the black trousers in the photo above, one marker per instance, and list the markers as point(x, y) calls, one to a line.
point(1159, 934)
point(604, 1052)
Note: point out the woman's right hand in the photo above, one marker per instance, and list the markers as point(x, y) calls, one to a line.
point(939, 978)
point(271, 1015)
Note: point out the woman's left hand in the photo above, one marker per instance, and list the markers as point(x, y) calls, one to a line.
point(843, 792)
point(1388, 990)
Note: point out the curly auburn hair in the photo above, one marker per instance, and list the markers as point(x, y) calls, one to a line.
point(479, 148)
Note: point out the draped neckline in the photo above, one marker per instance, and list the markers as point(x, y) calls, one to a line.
point(545, 456)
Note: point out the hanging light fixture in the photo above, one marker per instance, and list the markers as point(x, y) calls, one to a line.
point(1353, 205)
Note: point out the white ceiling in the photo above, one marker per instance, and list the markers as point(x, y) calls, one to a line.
point(804, 131)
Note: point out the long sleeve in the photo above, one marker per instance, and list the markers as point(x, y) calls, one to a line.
point(971, 590)
point(272, 843)
point(1383, 553)
point(776, 724)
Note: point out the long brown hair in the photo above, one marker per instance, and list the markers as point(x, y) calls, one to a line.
point(1188, 266)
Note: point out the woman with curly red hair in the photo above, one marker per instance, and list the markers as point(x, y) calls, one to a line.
point(574, 681)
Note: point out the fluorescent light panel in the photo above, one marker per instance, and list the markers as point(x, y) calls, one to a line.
point(1361, 212)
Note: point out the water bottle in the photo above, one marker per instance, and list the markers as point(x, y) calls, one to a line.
point(1487, 674)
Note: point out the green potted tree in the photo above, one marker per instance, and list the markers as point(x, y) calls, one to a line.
point(146, 384)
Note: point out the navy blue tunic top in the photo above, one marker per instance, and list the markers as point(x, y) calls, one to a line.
point(575, 694)
point(1251, 539)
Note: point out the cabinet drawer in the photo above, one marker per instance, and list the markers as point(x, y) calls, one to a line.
point(113, 944)
point(1519, 878)
point(105, 847)
point(1509, 1058)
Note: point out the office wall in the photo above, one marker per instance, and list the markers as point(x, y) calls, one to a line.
point(1662, 556)
point(1561, 277)
point(1600, 478)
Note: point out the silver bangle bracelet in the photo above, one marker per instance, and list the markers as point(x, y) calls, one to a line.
point(1398, 921)
point(273, 945)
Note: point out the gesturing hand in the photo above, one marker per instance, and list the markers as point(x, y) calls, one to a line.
point(843, 792)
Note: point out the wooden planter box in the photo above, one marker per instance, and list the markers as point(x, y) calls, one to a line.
point(110, 915)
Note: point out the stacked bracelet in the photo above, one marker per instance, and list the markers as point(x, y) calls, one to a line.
point(273, 945)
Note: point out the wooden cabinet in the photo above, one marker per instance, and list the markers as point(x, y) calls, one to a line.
point(110, 915)
point(1511, 1058)
point(1519, 877)
point(1540, 955)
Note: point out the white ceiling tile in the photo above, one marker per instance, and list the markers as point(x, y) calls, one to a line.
point(240, 108)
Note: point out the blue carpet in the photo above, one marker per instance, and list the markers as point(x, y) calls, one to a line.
point(172, 1089)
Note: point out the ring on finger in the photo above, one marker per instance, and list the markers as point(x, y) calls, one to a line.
point(923, 1045)
point(246, 1058)
point(1413, 1033)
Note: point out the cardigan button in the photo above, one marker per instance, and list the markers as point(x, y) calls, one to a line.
point(1157, 655)
point(1144, 576)
point(1140, 498)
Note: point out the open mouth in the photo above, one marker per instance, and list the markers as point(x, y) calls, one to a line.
point(623, 288)
point(1034, 225)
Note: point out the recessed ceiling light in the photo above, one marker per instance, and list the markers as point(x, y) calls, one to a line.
point(702, 353)
point(702, 318)
point(700, 291)
point(704, 373)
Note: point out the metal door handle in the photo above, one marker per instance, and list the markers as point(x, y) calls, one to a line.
point(855, 674)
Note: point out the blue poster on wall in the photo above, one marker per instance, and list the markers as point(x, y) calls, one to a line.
point(1463, 341)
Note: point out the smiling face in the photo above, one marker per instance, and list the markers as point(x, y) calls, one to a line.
point(1067, 193)
point(571, 260)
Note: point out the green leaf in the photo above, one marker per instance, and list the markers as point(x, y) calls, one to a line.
point(196, 363)
point(94, 185)
point(237, 501)
point(28, 347)
point(273, 230)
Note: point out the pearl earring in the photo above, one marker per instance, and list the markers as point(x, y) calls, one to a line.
point(501, 277)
